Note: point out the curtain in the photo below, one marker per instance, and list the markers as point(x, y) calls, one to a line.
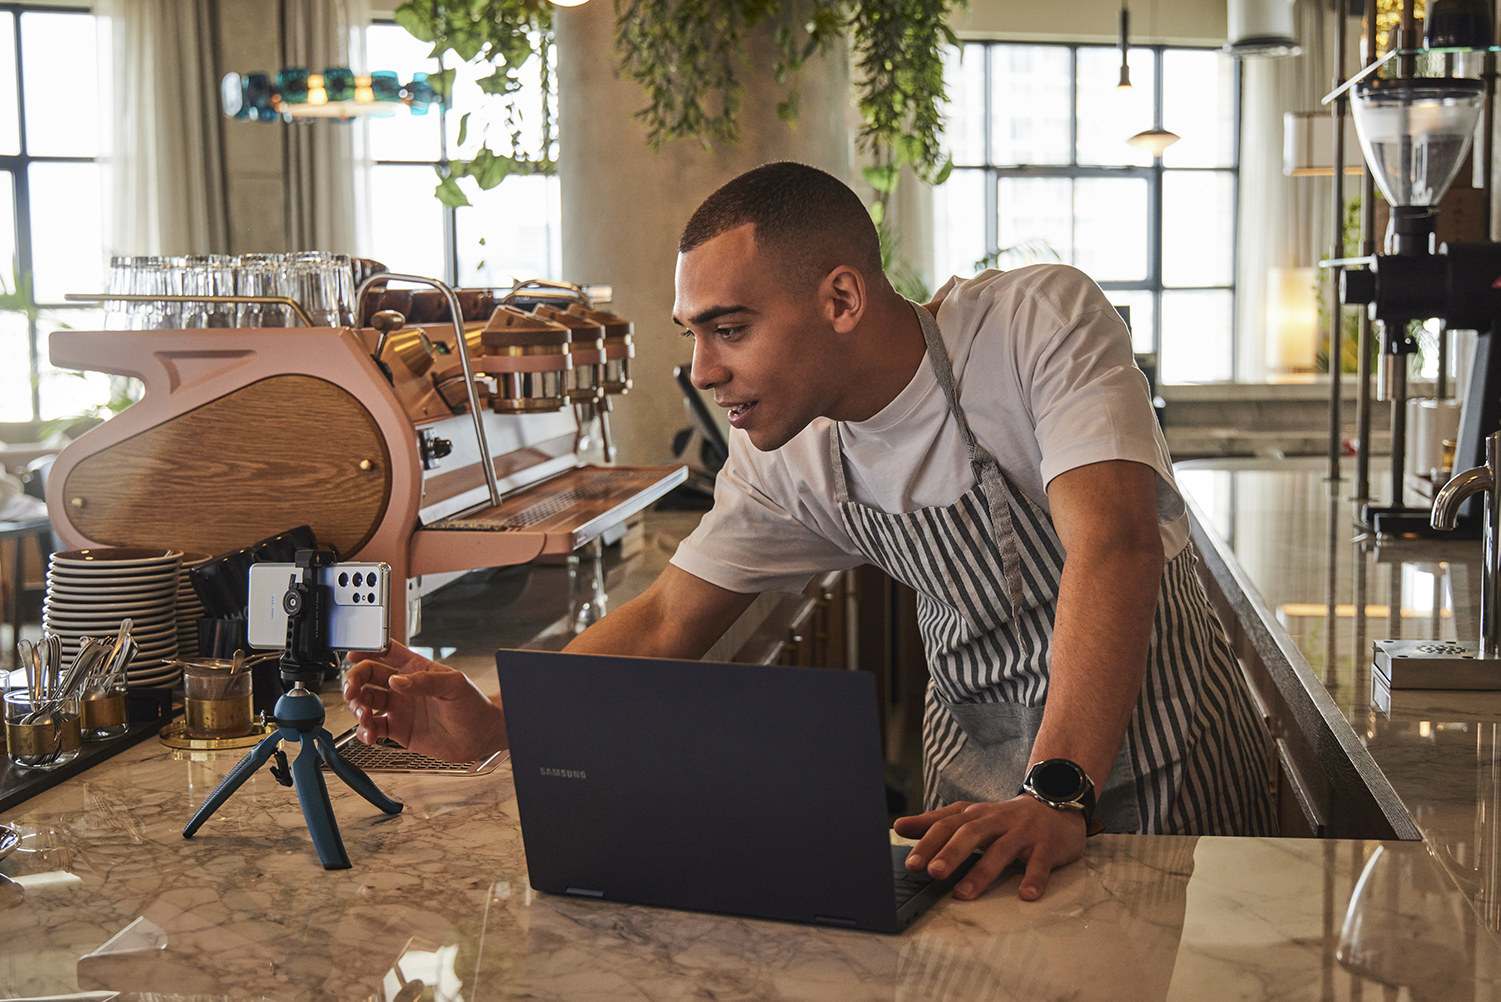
point(164, 153)
point(1286, 222)
point(324, 161)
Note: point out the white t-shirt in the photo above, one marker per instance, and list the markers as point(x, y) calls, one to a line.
point(1047, 382)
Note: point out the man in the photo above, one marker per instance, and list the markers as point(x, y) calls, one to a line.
point(1004, 460)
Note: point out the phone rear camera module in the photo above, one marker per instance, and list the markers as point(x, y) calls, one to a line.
point(343, 579)
point(359, 579)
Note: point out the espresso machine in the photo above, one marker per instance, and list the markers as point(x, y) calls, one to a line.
point(438, 431)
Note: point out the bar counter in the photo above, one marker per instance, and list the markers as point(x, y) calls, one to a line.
point(108, 896)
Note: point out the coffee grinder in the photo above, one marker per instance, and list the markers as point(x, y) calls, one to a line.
point(1415, 133)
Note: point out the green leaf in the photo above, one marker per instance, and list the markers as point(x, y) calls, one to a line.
point(877, 212)
point(442, 84)
point(488, 170)
point(449, 194)
point(944, 171)
point(463, 127)
point(882, 177)
point(416, 23)
point(499, 82)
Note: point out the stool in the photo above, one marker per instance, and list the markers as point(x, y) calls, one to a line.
point(40, 530)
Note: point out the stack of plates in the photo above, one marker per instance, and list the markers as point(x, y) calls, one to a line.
point(189, 609)
point(89, 593)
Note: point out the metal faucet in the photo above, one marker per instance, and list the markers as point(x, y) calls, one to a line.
point(1446, 515)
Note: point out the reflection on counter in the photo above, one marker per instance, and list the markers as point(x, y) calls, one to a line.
point(1335, 591)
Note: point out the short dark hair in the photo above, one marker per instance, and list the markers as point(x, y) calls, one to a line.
point(810, 220)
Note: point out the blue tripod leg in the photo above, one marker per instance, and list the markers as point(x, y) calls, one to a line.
point(353, 775)
point(316, 809)
point(243, 770)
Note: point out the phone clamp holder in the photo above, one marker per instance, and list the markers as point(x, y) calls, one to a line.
point(299, 717)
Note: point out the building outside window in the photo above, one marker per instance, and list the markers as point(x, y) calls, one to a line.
point(1043, 173)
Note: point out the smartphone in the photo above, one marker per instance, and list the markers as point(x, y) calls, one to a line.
point(358, 611)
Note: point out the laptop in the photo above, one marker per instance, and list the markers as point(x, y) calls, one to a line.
point(739, 789)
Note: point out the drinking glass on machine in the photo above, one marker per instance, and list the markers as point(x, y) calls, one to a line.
point(41, 729)
point(118, 312)
point(260, 275)
point(313, 282)
point(156, 277)
point(208, 275)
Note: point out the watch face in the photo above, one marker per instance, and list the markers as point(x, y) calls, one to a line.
point(1058, 779)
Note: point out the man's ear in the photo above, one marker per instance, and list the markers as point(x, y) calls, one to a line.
point(844, 298)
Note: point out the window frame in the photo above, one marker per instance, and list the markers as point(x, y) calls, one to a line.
point(18, 167)
point(449, 214)
point(1154, 175)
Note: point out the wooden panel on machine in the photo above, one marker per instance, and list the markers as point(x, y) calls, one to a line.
point(277, 453)
point(573, 507)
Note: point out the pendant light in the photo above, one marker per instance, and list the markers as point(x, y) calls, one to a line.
point(1156, 139)
point(1125, 46)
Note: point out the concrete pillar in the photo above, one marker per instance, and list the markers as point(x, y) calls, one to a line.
point(625, 205)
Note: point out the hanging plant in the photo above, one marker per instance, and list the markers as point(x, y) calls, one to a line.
point(688, 55)
point(500, 37)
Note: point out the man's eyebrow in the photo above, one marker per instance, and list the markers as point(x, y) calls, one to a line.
point(713, 313)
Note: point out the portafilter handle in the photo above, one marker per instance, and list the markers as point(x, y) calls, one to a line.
point(385, 321)
point(1446, 503)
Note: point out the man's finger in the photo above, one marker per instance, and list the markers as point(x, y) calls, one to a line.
point(987, 868)
point(1035, 880)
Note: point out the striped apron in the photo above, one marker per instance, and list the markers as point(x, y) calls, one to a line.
point(986, 571)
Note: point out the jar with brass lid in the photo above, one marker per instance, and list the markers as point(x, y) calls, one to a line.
point(619, 347)
point(528, 356)
point(587, 349)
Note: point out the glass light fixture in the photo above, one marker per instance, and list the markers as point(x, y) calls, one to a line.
point(1154, 140)
point(337, 93)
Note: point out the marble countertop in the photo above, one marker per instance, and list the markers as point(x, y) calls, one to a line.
point(115, 898)
point(1335, 591)
point(108, 896)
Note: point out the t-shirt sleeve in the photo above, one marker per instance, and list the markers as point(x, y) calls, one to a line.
point(1088, 400)
point(749, 542)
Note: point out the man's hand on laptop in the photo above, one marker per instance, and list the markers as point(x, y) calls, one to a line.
point(422, 705)
point(1019, 830)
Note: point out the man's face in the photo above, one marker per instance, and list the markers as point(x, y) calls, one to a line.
point(764, 350)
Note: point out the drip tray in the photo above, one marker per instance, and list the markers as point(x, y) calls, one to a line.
point(388, 756)
point(578, 504)
point(1434, 664)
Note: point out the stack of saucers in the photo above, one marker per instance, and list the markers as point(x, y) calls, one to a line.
point(189, 608)
point(90, 592)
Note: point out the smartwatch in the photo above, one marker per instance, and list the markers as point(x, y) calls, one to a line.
point(1062, 785)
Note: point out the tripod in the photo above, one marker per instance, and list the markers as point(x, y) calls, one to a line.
point(299, 717)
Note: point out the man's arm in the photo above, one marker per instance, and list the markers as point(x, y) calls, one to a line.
point(1106, 516)
point(679, 616)
point(432, 709)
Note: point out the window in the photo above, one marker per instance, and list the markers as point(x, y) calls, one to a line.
point(1042, 172)
point(51, 210)
point(509, 232)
